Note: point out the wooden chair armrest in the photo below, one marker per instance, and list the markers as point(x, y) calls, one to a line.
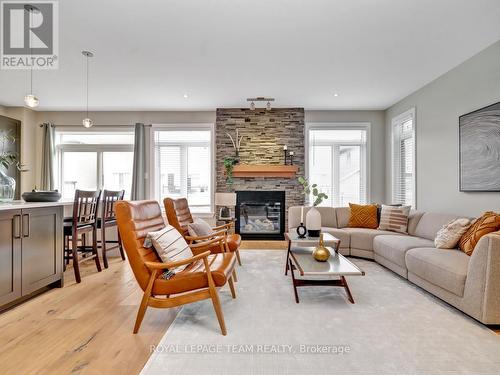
point(202, 238)
point(224, 226)
point(168, 265)
point(206, 244)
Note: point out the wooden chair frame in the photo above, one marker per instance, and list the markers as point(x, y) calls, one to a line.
point(84, 221)
point(196, 295)
point(108, 220)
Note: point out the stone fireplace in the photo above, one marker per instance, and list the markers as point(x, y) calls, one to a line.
point(265, 133)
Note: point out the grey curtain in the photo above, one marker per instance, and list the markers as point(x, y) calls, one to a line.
point(138, 181)
point(47, 180)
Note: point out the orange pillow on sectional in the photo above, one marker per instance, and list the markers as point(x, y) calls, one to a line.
point(363, 216)
point(489, 222)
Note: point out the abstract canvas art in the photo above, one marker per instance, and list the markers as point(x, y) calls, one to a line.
point(480, 149)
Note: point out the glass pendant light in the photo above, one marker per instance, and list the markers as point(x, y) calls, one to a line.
point(30, 99)
point(87, 122)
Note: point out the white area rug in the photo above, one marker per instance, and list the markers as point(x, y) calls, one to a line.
point(394, 328)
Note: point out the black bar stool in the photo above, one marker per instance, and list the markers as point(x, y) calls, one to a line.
point(107, 220)
point(83, 221)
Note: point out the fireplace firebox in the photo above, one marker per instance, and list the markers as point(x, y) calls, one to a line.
point(260, 215)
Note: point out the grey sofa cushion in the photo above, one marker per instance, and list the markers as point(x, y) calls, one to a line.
point(394, 247)
point(430, 223)
point(444, 268)
point(343, 215)
point(328, 217)
point(413, 220)
point(362, 238)
point(341, 234)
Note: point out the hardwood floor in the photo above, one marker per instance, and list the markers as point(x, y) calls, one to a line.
point(82, 328)
point(87, 328)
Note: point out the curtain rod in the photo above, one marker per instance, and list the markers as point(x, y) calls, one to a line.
point(97, 126)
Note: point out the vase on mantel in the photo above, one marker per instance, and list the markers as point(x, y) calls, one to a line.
point(7, 187)
point(313, 222)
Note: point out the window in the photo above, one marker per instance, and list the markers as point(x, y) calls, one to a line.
point(337, 160)
point(183, 165)
point(403, 159)
point(94, 160)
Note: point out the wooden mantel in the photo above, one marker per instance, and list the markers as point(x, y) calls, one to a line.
point(270, 171)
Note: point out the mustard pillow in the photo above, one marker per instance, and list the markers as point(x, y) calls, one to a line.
point(363, 216)
point(489, 222)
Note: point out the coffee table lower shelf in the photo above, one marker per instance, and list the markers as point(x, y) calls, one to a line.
point(342, 282)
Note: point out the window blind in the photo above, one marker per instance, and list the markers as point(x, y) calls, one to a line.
point(183, 167)
point(338, 164)
point(403, 160)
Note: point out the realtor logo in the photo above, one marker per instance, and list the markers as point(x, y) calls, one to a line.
point(30, 35)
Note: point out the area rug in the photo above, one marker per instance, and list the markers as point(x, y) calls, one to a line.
point(393, 328)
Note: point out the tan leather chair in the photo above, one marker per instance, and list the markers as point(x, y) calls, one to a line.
point(199, 280)
point(179, 216)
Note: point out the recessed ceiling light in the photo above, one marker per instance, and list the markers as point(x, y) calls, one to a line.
point(186, 96)
point(335, 94)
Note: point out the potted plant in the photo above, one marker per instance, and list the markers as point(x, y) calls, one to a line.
point(229, 163)
point(313, 217)
point(7, 158)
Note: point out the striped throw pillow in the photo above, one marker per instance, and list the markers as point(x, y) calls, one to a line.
point(394, 218)
point(169, 245)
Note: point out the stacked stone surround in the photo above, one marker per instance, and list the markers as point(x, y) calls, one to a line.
point(264, 135)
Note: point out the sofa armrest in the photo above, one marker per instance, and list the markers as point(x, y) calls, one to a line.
point(482, 287)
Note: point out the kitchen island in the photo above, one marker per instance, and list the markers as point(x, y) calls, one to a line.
point(31, 249)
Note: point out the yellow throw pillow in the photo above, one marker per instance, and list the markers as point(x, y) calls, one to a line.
point(489, 222)
point(363, 216)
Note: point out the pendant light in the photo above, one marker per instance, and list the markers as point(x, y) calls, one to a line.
point(87, 122)
point(30, 99)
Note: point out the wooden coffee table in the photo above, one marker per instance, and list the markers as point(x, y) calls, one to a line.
point(311, 272)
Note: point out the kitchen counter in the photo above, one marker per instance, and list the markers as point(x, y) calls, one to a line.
point(20, 204)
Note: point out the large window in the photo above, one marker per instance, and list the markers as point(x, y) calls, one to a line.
point(337, 160)
point(183, 164)
point(94, 160)
point(403, 159)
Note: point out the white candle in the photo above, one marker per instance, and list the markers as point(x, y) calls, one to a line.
point(302, 215)
point(285, 147)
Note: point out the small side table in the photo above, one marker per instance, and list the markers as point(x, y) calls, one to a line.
point(226, 220)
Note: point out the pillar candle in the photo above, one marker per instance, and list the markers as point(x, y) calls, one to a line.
point(302, 215)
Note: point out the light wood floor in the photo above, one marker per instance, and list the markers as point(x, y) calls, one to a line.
point(86, 328)
point(82, 328)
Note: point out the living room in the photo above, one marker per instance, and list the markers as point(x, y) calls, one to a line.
point(252, 187)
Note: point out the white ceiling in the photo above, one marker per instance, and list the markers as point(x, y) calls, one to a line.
point(148, 54)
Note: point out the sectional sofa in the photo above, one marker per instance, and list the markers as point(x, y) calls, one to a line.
point(470, 283)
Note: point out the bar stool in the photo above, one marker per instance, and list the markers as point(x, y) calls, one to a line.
point(83, 221)
point(107, 220)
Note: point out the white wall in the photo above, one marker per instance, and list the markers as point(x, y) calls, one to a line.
point(470, 86)
point(377, 146)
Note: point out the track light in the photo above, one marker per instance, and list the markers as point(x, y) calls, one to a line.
point(260, 99)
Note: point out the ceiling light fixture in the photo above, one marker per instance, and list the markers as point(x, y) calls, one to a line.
point(87, 122)
point(186, 96)
point(30, 99)
point(260, 99)
point(335, 94)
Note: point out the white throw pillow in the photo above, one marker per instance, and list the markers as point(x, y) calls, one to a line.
point(169, 245)
point(449, 235)
point(199, 228)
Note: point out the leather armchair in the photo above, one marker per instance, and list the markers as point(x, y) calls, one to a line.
point(205, 272)
point(179, 216)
